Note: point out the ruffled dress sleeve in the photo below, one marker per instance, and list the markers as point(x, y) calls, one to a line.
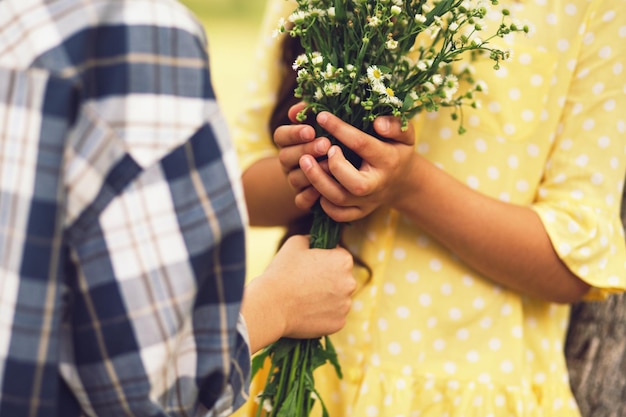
point(580, 197)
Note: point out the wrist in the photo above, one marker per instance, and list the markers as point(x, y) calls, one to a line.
point(408, 186)
point(263, 311)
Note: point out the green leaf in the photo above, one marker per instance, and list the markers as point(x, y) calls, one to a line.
point(283, 347)
point(333, 355)
point(288, 406)
point(258, 361)
point(340, 11)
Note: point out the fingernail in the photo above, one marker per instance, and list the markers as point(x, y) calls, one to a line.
point(322, 117)
point(332, 151)
point(305, 163)
point(383, 124)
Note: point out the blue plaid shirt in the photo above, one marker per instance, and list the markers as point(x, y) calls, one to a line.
point(121, 216)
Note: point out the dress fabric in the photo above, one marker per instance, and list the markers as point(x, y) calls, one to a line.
point(429, 336)
point(122, 258)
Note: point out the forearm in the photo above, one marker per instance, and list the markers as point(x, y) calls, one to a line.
point(264, 319)
point(503, 241)
point(269, 197)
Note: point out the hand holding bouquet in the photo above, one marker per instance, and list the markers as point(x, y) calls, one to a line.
point(363, 59)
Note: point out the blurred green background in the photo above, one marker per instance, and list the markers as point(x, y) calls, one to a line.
point(233, 29)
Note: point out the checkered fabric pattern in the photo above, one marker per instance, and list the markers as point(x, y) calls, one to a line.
point(122, 256)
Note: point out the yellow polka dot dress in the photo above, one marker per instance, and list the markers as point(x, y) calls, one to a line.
point(427, 335)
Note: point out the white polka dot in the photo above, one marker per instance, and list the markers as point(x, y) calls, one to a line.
point(583, 270)
point(462, 334)
point(533, 150)
point(551, 19)
point(597, 88)
point(528, 115)
point(455, 314)
point(403, 312)
point(571, 9)
point(539, 378)
point(493, 173)
point(473, 182)
point(389, 288)
point(486, 322)
point(495, 344)
point(357, 305)
point(481, 145)
point(513, 161)
point(435, 265)
point(439, 345)
point(446, 289)
point(557, 404)
point(522, 186)
point(494, 107)
point(577, 194)
point(371, 411)
point(536, 80)
point(395, 348)
point(412, 277)
point(515, 94)
point(589, 124)
point(478, 303)
point(383, 324)
point(618, 68)
point(567, 144)
point(431, 322)
point(517, 332)
point(449, 367)
point(472, 356)
point(604, 142)
point(613, 280)
point(525, 59)
point(582, 160)
point(562, 45)
point(399, 253)
point(468, 281)
point(445, 133)
point(609, 15)
point(565, 248)
point(459, 155)
point(506, 367)
point(605, 52)
point(506, 309)
point(573, 227)
point(416, 335)
point(559, 178)
point(610, 105)
point(509, 128)
point(425, 300)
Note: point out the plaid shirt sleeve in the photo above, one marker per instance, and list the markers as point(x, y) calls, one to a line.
point(121, 216)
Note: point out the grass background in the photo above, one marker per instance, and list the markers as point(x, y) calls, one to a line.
point(233, 28)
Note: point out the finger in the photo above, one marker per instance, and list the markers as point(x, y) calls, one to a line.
point(297, 180)
point(289, 135)
point(300, 242)
point(390, 127)
point(289, 156)
point(342, 214)
point(352, 179)
point(307, 198)
point(294, 110)
point(322, 181)
point(364, 145)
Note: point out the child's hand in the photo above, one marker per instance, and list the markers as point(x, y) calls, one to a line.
point(384, 176)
